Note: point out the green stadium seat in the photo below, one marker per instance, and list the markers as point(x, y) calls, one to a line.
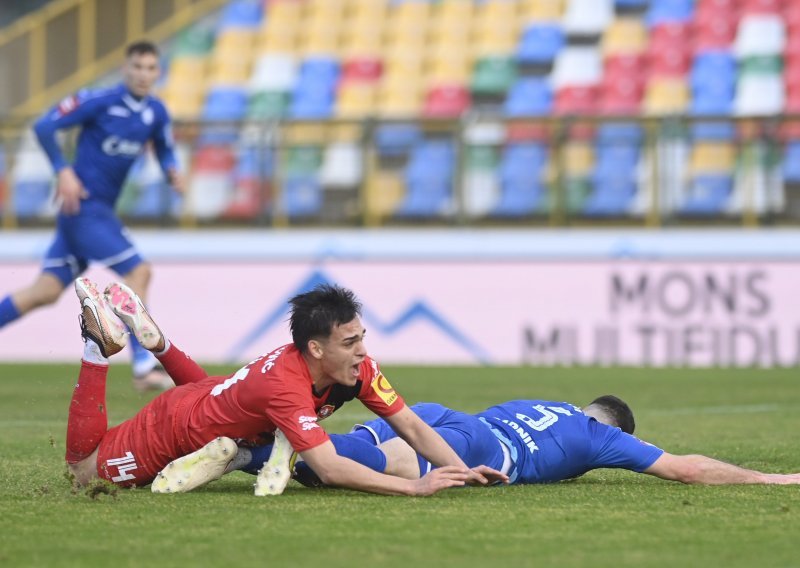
point(493, 75)
point(267, 104)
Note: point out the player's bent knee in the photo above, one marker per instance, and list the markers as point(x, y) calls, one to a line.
point(85, 470)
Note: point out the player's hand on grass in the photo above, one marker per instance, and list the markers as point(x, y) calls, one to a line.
point(70, 191)
point(485, 475)
point(440, 478)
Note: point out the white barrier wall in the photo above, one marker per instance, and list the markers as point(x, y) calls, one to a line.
point(590, 311)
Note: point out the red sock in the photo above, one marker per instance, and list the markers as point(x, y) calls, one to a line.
point(180, 367)
point(88, 420)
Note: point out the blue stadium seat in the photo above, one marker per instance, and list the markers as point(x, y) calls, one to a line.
point(302, 196)
point(713, 131)
point(611, 197)
point(529, 97)
point(241, 14)
point(324, 69)
point(396, 139)
point(315, 90)
point(708, 195)
point(616, 160)
point(540, 43)
point(522, 161)
point(631, 4)
point(425, 198)
point(712, 65)
point(225, 103)
point(620, 133)
point(431, 161)
point(791, 162)
point(520, 196)
point(30, 197)
point(669, 11)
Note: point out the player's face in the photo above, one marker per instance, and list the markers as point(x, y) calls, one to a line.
point(343, 352)
point(141, 73)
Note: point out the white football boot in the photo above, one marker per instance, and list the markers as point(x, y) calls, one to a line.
point(130, 309)
point(196, 469)
point(277, 471)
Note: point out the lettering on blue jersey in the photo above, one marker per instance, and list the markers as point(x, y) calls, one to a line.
point(116, 146)
point(523, 434)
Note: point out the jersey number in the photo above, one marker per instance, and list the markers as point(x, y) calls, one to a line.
point(240, 375)
point(549, 417)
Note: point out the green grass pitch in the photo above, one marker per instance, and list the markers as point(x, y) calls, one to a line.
point(606, 518)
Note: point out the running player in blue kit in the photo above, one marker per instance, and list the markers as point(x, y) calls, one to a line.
point(116, 126)
point(532, 441)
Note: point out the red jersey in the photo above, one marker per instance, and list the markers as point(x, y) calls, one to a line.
point(276, 391)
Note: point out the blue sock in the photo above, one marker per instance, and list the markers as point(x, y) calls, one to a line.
point(347, 445)
point(8, 311)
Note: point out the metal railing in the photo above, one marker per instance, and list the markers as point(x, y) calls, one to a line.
point(247, 174)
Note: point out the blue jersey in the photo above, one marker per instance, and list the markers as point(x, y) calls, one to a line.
point(551, 441)
point(115, 128)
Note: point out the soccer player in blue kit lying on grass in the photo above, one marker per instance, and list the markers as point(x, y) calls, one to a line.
point(532, 441)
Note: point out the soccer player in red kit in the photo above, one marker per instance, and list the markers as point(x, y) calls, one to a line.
point(290, 389)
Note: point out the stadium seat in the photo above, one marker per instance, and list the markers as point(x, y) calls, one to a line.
point(587, 17)
point(481, 192)
point(274, 72)
point(576, 67)
point(529, 97)
point(712, 159)
point(761, 95)
point(611, 197)
point(714, 32)
point(520, 197)
point(666, 96)
point(791, 163)
point(493, 76)
point(541, 10)
point(267, 105)
point(760, 35)
point(396, 139)
point(225, 103)
point(624, 36)
point(362, 69)
point(708, 195)
point(539, 44)
point(620, 133)
point(669, 11)
point(762, 7)
point(576, 100)
point(446, 101)
point(342, 166)
point(301, 196)
point(621, 95)
point(241, 14)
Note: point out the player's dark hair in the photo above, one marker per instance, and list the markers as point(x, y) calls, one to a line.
point(142, 47)
point(618, 411)
point(316, 313)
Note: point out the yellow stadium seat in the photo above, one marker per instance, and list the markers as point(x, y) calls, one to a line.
point(345, 132)
point(666, 96)
point(448, 72)
point(230, 72)
point(494, 42)
point(182, 69)
point(234, 41)
point(355, 100)
point(541, 11)
point(286, 43)
point(711, 158)
point(283, 13)
point(305, 134)
point(325, 8)
point(385, 190)
point(624, 36)
point(362, 45)
point(320, 42)
point(578, 159)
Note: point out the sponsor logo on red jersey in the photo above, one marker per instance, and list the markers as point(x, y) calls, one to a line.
point(308, 422)
point(384, 390)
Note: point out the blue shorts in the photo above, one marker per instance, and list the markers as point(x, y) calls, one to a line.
point(466, 434)
point(94, 234)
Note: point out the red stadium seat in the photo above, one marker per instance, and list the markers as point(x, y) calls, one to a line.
point(791, 15)
point(791, 74)
point(245, 202)
point(446, 101)
point(527, 132)
point(625, 67)
point(576, 100)
point(621, 95)
point(714, 33)
point(792, 50)
point(719, 6)
point(669, 62)
point(793, 100)
point(762, 6)
point(670, 34)
point(214, 159)
point(362, 69)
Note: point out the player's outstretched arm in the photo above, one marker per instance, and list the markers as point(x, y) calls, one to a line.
point(429, 444)
point(335, 470)
point(698, 469)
